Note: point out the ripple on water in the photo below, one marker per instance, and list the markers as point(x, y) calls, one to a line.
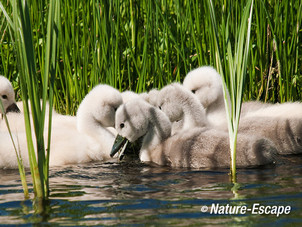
point(139, 194)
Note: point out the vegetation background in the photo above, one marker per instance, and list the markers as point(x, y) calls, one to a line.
point(141, 44)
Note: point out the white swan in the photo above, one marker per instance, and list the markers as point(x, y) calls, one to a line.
point(7, 96)
point(194, 148)
point(92, 141)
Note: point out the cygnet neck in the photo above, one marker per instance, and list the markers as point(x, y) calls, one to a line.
point(194, 113)
point(87, 123)
point(159, 130)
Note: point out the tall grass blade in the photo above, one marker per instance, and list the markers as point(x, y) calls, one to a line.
point(235, 71)
point(18, 155)
point(30, 90)
point(26, 58)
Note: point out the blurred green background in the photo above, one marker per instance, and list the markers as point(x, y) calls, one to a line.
point(143, 44)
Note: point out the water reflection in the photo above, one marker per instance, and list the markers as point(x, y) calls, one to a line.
point(135, 193)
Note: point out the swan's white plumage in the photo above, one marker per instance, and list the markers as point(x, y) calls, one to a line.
point(182, 107)
point(285, 133)
point(284, 110)
point(7, 94)
point(280, 122)
point(74, 139)
point(151, 96)
point(129, 95)
point(195, 148)
point(206, 84)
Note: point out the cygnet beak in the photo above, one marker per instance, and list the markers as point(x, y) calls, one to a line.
point(13, 108)
point(120, 143)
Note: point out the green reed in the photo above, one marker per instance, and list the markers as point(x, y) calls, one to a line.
point(231, 62)
point(18, 155)
point(35, 87)
point(139, 45)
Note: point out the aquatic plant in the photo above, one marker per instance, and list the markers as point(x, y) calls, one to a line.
point(234, 70)
point(144, 44)
point(138, 45)
point(21, 28)
point(18, 156)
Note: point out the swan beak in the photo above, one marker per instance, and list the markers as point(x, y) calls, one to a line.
point(13, 108)
point(120, 142)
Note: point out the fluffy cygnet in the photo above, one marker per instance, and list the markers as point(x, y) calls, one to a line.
point(206, 84)
point(182, 107)
point(7, 96)
point(287, 110)
point(96, 114)
point(194, 148)
point(13, 109)
point(286, 134)
point(67, 147)
point(280, 122)
point(17, 124)
point(129, 95)
point(151, 96)
point(92, 141)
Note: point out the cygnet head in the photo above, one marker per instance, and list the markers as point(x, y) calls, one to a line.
point(206, 83)
point(130, 122)
point(7, 96)
point(99, 105)
point(171, 100)
point(136, 119)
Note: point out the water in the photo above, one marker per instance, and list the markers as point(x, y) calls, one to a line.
point(137, 194)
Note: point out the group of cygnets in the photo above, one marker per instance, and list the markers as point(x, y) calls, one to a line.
point(181, 125)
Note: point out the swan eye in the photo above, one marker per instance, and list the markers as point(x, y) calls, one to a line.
point(122, 125)
point(4, 96)
point(193, 91)
point(159, 107)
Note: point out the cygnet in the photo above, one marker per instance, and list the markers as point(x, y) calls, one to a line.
point(88, 139)
point(206, 84)
point(280, 122)
point(7, 96)
point(182, 107)
point(196, 148)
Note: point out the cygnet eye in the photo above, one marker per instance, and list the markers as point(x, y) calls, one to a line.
point(193, 91)
point(122, 125)
point(4, 96)
point(159, 107)
point(298, 139)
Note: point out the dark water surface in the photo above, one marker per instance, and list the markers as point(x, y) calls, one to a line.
point(138, 194)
